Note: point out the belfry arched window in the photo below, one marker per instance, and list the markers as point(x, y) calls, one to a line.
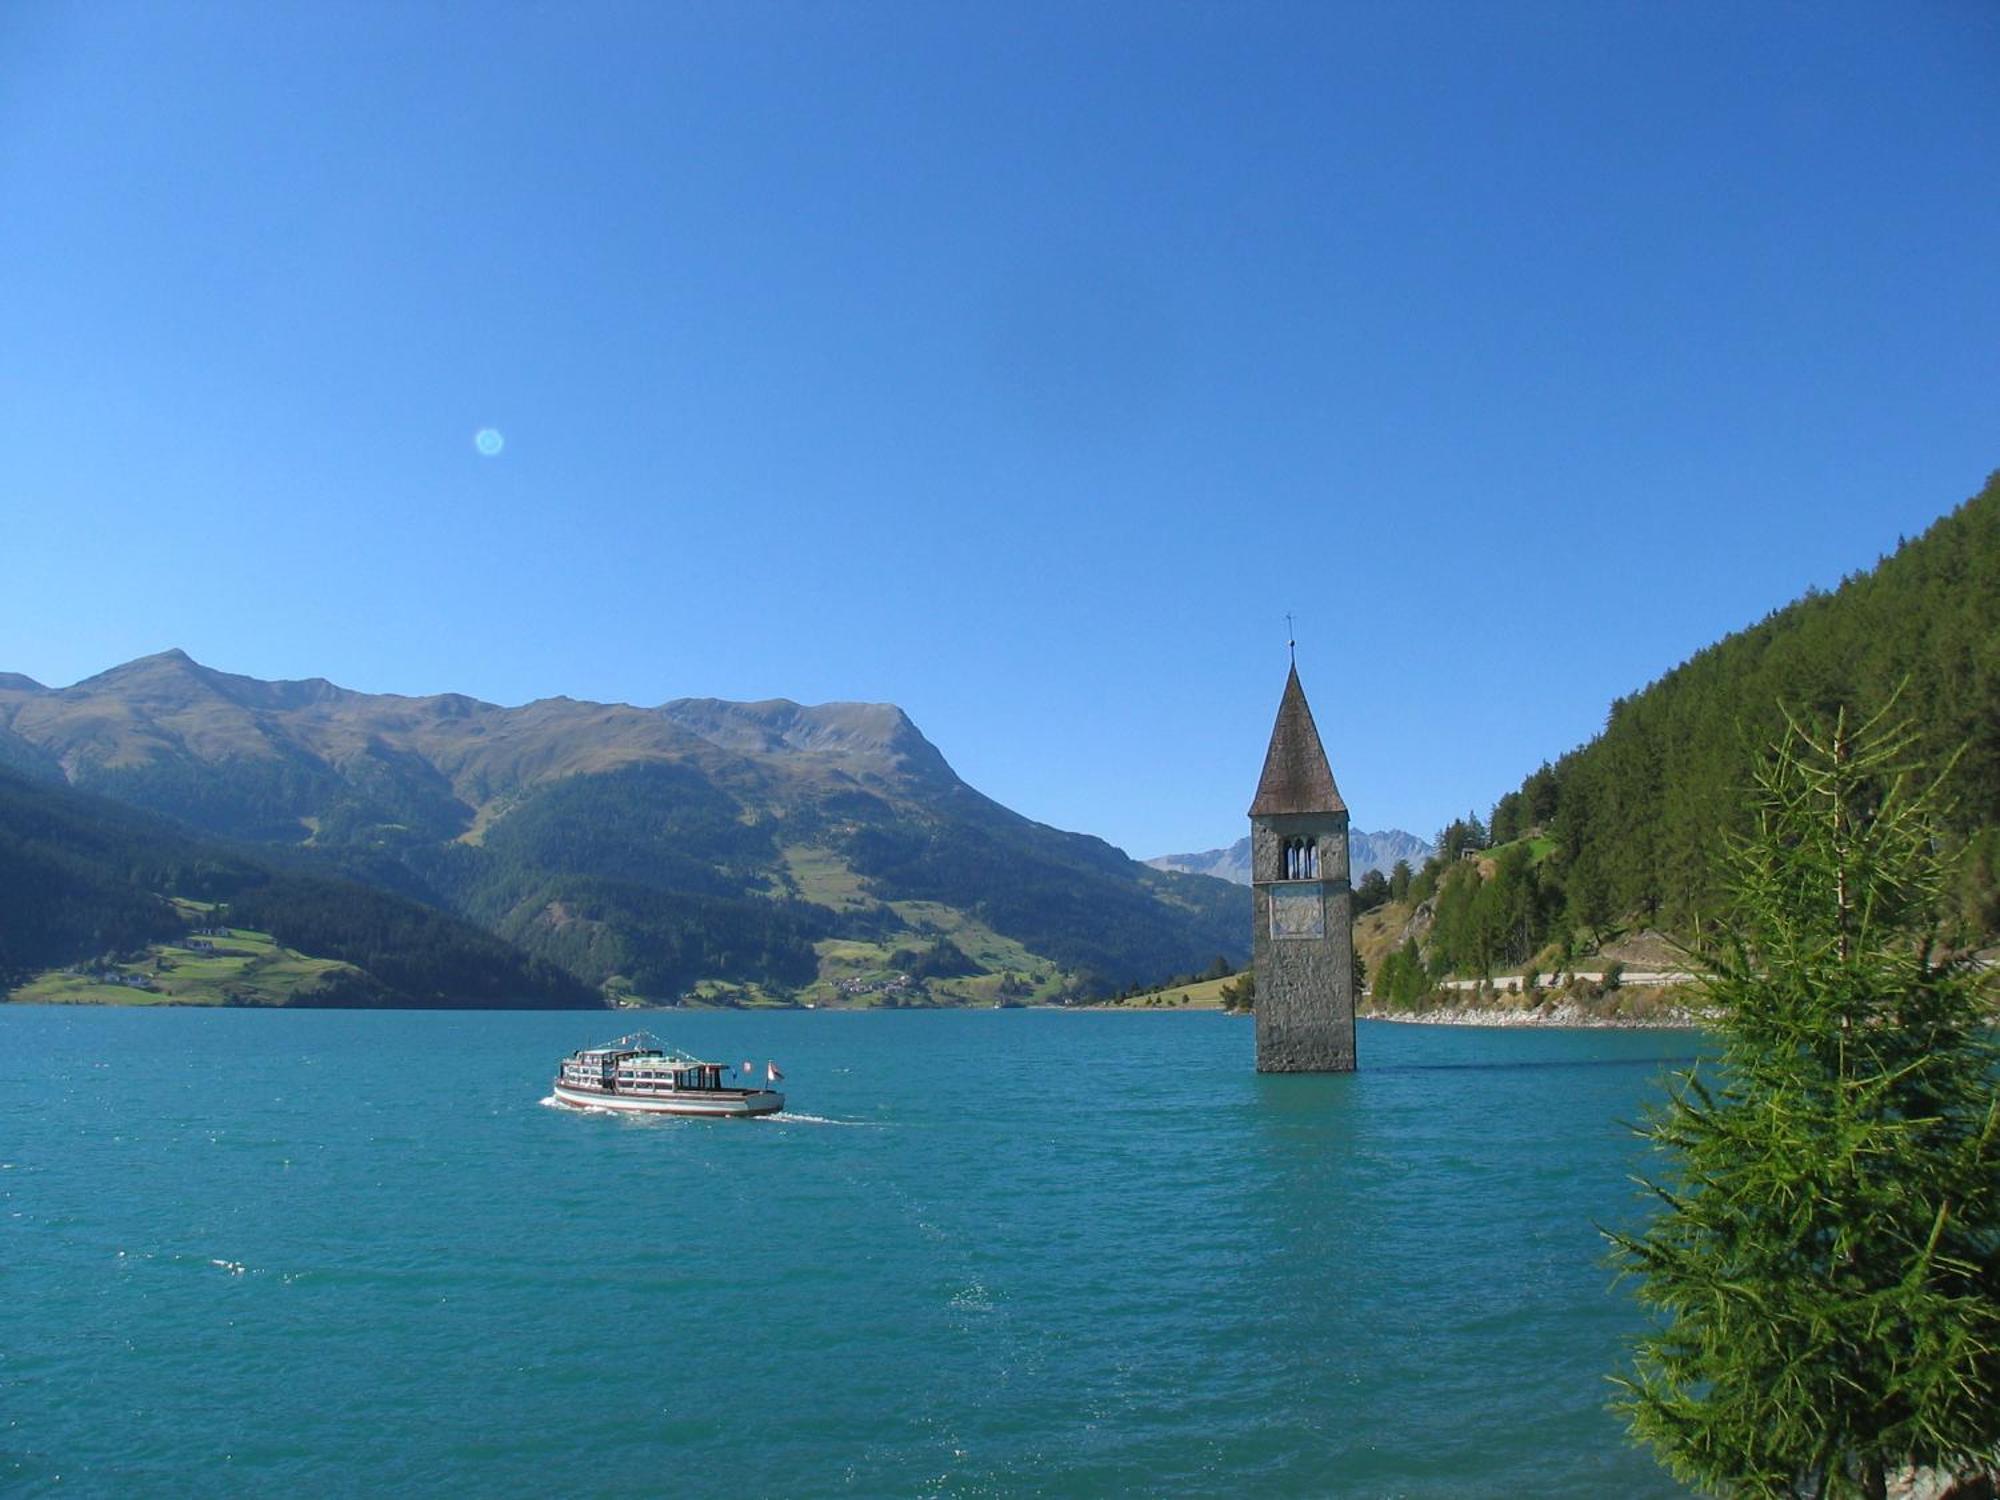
point(1301, 859)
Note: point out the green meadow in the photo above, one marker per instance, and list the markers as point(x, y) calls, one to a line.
point(246, 968)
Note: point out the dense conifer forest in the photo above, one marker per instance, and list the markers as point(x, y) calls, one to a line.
point(80, 877)
point(1633, 826)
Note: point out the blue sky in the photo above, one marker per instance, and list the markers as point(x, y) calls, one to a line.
point(1022, 365)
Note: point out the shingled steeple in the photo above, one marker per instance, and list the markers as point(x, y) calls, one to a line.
point(1296, 777)
point(1302, 937)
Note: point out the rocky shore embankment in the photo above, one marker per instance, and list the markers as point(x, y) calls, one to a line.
point(1636, 1007)
point(1561, 1015)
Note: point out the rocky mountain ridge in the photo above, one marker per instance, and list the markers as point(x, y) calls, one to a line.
point(785, 847)
point(1366, 851)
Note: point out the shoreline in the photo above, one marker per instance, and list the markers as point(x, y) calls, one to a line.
point(1567, 1016)
point(1562, 1017)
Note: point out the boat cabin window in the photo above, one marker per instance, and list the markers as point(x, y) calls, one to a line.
point(638, 1072)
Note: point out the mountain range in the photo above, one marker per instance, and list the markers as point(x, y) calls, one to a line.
point(700, 845)
point(1365, 852)
point(445, 850)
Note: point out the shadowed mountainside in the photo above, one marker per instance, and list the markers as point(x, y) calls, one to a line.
point(82, 877)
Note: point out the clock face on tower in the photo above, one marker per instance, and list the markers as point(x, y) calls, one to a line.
point(1298, 910)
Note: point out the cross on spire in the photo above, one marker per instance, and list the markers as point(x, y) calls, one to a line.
point(1291, 641)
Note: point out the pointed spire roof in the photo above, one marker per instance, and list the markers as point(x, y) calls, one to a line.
point(1296, 777)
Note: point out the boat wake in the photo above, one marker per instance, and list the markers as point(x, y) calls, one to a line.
point(552, 1102)
point(783, 1116)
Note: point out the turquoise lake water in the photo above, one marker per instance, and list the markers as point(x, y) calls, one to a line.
point(1005, 1253)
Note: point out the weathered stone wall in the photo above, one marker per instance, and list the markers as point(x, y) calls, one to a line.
point(1305, 986)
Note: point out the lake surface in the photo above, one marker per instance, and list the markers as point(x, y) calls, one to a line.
point(1003, 1253)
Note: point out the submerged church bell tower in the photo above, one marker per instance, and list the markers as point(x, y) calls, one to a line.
point(1303, 940)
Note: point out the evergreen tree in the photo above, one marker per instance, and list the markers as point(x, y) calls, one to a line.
point(1371, 891)
point(1828, 1265)
point(1538, 796)
point(1399, 880)
point(1402, 980)
point(1460, 836)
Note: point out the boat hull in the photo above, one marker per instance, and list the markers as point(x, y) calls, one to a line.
point(727, 1105)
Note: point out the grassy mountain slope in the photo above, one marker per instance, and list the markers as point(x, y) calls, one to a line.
point(82, 877)
point(651, 849)
point(224, 965)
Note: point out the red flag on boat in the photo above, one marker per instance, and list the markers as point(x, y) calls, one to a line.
point(772, 1073)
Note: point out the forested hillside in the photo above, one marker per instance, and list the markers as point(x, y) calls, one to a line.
point(1633, 824)
point(82, 878)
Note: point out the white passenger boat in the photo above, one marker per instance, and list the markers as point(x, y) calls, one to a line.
point(637, 1074)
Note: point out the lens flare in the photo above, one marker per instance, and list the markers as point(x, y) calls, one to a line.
point(488, 441)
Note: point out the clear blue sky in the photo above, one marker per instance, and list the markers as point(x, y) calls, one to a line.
point(1019, 364)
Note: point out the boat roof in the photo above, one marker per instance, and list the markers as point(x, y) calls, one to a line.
point(668, 1060)
point(643, 1049)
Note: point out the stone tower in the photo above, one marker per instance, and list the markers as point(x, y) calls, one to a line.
point(1303, 938)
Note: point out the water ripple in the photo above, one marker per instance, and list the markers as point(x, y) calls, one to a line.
point(346, 1253)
